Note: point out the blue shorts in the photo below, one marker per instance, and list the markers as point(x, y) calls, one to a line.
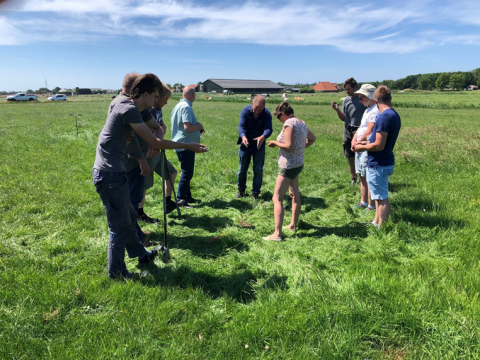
point(377, 181)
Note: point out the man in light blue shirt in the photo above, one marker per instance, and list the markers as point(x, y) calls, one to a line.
point(186, 129)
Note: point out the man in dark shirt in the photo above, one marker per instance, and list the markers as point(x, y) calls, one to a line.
point(380, 153)
point(351, 114)
point(254, 127)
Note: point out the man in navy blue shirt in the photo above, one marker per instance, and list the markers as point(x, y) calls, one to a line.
point(254, 127)
point(380, 153)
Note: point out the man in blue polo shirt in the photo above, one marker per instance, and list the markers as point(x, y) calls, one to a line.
point(254, 127)
point(186, 129)
point(380, 153)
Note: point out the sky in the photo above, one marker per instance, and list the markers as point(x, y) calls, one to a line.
point(94, 43)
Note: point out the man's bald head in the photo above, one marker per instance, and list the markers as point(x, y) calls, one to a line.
point(189, 93)
point(128, 82)
point(259, 99)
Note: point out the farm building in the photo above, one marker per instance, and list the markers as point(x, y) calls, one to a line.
point(242, 86)
point(472, 87)
point(325, 86)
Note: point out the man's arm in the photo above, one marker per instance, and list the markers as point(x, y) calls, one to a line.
point(378, 145)
point(187, 115)
point(146, 134)
point(189, 127)
point(242, 127)
point(340, 114)
point(368, 132)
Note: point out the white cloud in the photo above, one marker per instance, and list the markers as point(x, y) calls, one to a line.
point(367, 28)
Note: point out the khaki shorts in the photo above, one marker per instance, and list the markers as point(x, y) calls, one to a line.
point(155, 164)
point(290, 173)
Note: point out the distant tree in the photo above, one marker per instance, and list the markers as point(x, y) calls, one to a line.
point(457, 81)
point(305, 90)
point(43, 90)
point(469, 79)
point(29, 91)
point(84, 91)
point(76, 89)
point(427, 81)
point(55, 90)
point(476, 76)
point(442, 81)
point(169, 86)
point(388, 83)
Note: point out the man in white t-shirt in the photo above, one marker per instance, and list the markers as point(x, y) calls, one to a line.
point(363, 133)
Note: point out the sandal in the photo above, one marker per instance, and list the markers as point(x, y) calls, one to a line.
point(271, 238)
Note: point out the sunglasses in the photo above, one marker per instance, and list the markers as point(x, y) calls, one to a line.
point(278, 116)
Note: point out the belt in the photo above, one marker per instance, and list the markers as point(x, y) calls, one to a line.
point(352, 128)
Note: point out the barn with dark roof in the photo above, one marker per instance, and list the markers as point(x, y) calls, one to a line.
point(242, 86)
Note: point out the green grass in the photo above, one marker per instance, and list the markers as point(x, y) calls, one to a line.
point(334, 290)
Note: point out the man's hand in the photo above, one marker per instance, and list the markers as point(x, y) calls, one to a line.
point(200, 127)
point(260, 141)
point(360, 146)
point(245, 141)
point(271, 143)
point(198, 148)
point(144, 168)
point(335, 106)
point(354, 142)
point(152, 153)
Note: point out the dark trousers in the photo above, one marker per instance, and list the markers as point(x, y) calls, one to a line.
point(121, 217)
point(187, 164)
point(258, 162)
point(136, 184)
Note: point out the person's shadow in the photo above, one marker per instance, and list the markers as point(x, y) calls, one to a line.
point(349, 230)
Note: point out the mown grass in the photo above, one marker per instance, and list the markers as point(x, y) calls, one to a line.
point(334, 290)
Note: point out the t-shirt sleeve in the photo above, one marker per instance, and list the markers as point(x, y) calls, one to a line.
point(132, 116)
point(147, 115)
point(383, 123)
point(289, 123)
point(186, 115)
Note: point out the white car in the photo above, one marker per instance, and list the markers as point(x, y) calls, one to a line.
point(57, 97)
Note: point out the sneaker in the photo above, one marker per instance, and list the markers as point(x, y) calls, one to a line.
point(240, 194)
point(147, 219)
point(193, 201)
point(149, 256)
point(136, 276)
point(184, 204)
point(171, 206)
point(369, 208)
point(360, 206)
point(256, 195)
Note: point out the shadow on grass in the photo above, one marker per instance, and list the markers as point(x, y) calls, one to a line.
point(426, 213)
point(237, 286)
point(222, 204)
point(201, 246)
point(209, 223)
point(396, 187)
point(312, 203)
point(350, 230)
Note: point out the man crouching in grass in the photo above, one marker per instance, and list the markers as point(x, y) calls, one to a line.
point(109, 175)
point(380, 153)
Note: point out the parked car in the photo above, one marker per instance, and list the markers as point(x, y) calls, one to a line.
point(21, 97)
point(57, 97)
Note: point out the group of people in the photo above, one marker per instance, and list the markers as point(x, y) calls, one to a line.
point(128, 153)
point(371, 130)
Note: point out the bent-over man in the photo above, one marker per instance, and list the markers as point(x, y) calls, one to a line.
point(254, 127)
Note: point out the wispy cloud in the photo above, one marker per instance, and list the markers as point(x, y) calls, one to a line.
point(368, 28)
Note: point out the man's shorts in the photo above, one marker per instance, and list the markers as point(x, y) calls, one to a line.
point(361, 160)
point(377, 181)
point(155, 164)
point(290, 173)
point(347, 144)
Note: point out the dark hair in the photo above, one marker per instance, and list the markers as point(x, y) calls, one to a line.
point(128, 81)
point(285, 108)
point(352, 82)
point(146, 83)
point(383, 95)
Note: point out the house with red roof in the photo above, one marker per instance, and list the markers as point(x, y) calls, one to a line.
point(325, 86)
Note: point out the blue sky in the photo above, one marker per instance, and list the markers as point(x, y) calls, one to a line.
point(93, 43)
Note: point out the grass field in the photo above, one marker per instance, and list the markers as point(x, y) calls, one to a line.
point(335, 290)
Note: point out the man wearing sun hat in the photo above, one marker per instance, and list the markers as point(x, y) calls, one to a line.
point(364, 132)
